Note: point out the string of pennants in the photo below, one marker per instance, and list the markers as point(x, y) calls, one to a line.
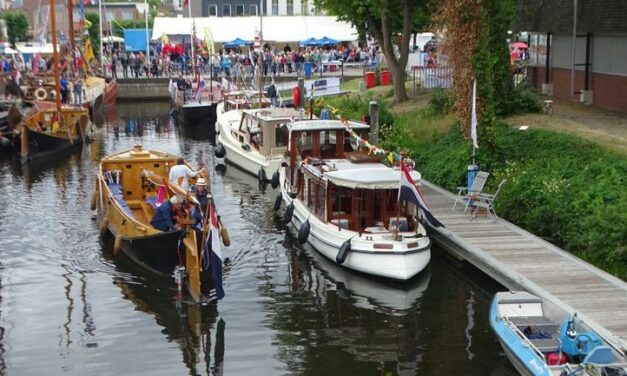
point(391, 156)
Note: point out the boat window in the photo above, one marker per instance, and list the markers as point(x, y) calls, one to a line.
point(304, 143)
point(281, 135)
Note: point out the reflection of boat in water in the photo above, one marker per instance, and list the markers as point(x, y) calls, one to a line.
point(372, 293)
point(196, 329)
point(540, 338)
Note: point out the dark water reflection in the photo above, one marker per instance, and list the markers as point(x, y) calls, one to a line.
point(68, 306)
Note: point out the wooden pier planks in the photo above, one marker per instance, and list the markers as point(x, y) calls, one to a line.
point(519, 259)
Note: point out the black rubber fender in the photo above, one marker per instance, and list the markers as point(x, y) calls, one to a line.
point(220, 151)
point(274, 182)
point(343, 253)
point(277, 202)
point(289, 212)
point(303, 232)
point(261, 176)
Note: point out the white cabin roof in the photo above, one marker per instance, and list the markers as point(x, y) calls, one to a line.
point(274, 114)
point(325, 125)
point(365, 175)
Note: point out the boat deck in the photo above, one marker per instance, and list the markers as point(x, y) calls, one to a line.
point(522, 261)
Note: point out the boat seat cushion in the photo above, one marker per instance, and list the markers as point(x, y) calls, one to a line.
point(118, 195)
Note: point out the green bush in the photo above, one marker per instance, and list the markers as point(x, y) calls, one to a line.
point(441, 101)
point(559, 187)
point(522, 100)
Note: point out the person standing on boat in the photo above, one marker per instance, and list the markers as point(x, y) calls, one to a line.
point(63, 84)
point(272, 94)
point(202, 195)
point(78, 90)
point(163, 218)
point(181, 173)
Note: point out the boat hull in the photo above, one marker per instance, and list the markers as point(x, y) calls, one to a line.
point(197, 114)
point(156, 253)
point(249, 161)
point(402, 261)
point(111, 93)
point(42, 145)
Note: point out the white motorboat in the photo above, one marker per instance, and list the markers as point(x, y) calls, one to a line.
point(239, 100)
point(345, 203)
point(255, 140)
point(542, 339)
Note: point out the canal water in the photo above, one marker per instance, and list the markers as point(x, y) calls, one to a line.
point(68, 306)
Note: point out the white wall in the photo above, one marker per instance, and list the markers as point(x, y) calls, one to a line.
point(608, 53)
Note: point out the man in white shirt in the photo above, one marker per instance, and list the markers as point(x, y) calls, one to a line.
point(181, 173)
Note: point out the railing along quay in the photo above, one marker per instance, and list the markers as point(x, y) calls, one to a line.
point(520, 260)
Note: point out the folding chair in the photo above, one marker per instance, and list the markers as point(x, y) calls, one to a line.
point(485, 201)
point(467, 194)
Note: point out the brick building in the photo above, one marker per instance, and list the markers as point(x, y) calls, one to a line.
point(597, 71)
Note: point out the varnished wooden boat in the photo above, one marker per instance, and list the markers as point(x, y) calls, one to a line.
point(47, 131)
point(126, 190)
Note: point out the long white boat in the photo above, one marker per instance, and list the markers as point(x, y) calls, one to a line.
point(541, 339)
point(256, 140)
point(345, 203)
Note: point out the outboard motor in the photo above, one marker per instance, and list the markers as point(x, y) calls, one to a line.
point(577, 345)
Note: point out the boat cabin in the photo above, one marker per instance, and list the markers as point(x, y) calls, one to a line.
point(244, 99)
point(341, 184)
point(265, 130)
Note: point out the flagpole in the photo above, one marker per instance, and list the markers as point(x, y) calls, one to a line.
point(102, 68)
point(55, 59)
point(398, 202)
point(189, 9)
point(147, 40)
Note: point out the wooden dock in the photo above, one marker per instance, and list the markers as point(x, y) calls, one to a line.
point(520, 260)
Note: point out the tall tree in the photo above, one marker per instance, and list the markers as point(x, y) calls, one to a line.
point(384, 20)
point(475, 43)
point(17, 26)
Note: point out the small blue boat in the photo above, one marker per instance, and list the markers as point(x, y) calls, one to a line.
point(540, 338)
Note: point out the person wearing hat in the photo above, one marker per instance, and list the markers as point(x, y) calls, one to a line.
point(162, 220)
point(200, 190)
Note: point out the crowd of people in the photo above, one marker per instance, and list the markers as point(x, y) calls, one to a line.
point(170, 61)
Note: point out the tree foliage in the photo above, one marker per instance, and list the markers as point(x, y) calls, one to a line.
point(384, 20)
point(17, 26)
point(475, 44)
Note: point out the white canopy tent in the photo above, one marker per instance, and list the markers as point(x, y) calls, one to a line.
point(276, 29)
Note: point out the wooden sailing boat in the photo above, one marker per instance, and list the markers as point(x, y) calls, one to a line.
point(129, 188)
point(52, 127)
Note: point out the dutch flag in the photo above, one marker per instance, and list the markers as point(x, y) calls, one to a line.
point(409, 192)
point(214, 247)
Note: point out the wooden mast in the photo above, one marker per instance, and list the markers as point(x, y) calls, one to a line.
point(70, 16)
point(260, 61)
point(55, 59)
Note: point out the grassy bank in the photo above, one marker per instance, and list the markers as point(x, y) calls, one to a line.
point(561, 187)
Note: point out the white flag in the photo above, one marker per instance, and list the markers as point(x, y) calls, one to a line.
point(473, 119)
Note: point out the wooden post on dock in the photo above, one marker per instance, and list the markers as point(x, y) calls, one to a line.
point(301, 92)
point(374, 122)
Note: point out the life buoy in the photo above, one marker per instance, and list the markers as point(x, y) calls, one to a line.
point(261, 175)
point(289, 212)
point(275, 180)
point(220, 152)
point(104, 226)
point(303, 232)
point(117, 244)
point(343, 252)
point(277, 202)
point(41, 94)
point(94, 199)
